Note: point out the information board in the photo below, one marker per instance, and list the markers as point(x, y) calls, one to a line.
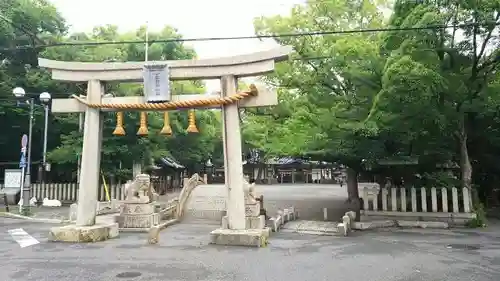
point(12, 182)
point(156, 83)
point(12, 178)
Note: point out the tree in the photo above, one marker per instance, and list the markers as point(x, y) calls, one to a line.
point(440, 75)
point(335, 89)
point(122, 151)
point(24, 23)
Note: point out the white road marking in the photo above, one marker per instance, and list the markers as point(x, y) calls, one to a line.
point(22, 237)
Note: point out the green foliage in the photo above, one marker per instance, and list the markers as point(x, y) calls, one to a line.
point(428, 94)
point(438, 179)
point(41, 19)
point(196, 148)
point(329, 98)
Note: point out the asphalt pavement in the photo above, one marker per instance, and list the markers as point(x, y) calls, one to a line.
point(183, 253)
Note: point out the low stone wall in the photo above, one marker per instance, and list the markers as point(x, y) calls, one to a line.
point(367, 225)
point(349, 224)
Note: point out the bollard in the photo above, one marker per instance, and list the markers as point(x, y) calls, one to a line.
point(325, 214)
point(6, 202)
point(262, 209)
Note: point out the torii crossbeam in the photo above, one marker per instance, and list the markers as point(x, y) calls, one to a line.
point(227, 69)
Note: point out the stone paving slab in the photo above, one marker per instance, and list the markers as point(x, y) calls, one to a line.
point(311, 227)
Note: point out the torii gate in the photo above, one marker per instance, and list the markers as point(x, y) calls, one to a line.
point(227, 69)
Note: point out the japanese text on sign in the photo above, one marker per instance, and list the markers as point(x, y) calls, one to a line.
point(156, 83)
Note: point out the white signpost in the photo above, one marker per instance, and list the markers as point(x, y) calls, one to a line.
point(22, 165)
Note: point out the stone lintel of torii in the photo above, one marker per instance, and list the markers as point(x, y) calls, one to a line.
point(227, 69)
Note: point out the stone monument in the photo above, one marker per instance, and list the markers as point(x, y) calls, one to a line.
point(138, 210)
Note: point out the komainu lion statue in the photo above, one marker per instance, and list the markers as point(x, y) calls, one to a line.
point(139, 190)
point(249, 191)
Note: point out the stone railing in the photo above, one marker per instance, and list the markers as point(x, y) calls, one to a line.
point(189, 185)
point(169, 210)
point(282, 217)
point(417, 202)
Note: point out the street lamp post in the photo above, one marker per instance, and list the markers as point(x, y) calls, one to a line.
point(20, 94)
point(45, 99)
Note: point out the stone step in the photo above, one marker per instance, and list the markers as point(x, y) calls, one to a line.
point(311, 227)
point(207, 215)
point(191, 220)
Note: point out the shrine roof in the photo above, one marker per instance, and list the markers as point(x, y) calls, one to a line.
point(170, 162)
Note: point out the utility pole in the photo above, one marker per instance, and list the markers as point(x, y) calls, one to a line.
point(146, 47)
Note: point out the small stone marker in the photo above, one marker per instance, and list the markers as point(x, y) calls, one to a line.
point(72, 211)
point(342, 229)
point(346, 220)
point(352, 215)
point(154, 235)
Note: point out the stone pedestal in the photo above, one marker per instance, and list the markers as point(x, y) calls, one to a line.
point(82, 234)
point(138, 216)
point(255, 234)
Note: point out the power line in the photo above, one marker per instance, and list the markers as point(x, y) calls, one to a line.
point(269, 36)
point(20, 27)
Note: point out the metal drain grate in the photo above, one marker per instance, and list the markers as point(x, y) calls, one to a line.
point(463, 247)
point(128, 274)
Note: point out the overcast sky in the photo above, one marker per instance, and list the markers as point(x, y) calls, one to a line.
point(193, 18)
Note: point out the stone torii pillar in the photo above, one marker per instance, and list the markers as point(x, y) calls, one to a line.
point(227, 69)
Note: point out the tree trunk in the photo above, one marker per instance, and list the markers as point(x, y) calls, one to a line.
point(260, 169)
point(353, 192)
point(465, 165)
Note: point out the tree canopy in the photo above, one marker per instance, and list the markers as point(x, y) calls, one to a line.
point(424, 93)
point(29, 22)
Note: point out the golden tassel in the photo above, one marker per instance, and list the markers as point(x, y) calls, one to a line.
point(192, 123)
point(119, 130)
point(143, 129)
point(166, 130)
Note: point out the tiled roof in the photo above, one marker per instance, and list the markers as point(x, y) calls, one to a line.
point(169, 162)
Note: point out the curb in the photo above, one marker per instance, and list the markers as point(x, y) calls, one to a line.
point(42, 220)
